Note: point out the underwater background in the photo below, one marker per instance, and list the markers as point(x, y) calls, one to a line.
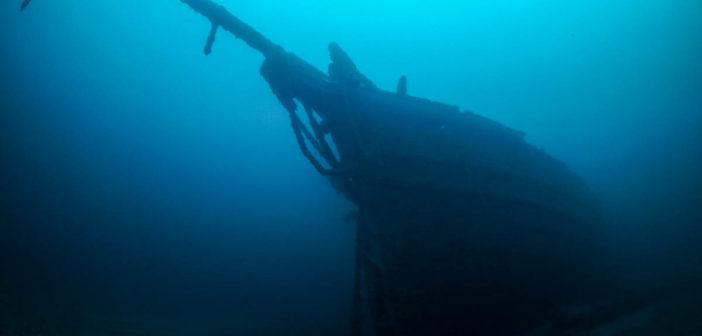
point(146, 189)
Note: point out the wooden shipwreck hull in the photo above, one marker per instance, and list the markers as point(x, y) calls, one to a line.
point(464, 228)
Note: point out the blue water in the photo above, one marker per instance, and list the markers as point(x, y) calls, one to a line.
point(148, 189)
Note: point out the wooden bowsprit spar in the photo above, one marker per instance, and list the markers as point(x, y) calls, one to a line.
point(290, 78)
point(464, 228)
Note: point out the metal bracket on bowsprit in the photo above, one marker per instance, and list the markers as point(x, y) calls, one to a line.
point(211, 38)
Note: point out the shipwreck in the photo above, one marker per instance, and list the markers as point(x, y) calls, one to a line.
point(463, 227)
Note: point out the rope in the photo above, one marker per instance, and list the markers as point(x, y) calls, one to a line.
point(324, 148)
point(299, 128)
